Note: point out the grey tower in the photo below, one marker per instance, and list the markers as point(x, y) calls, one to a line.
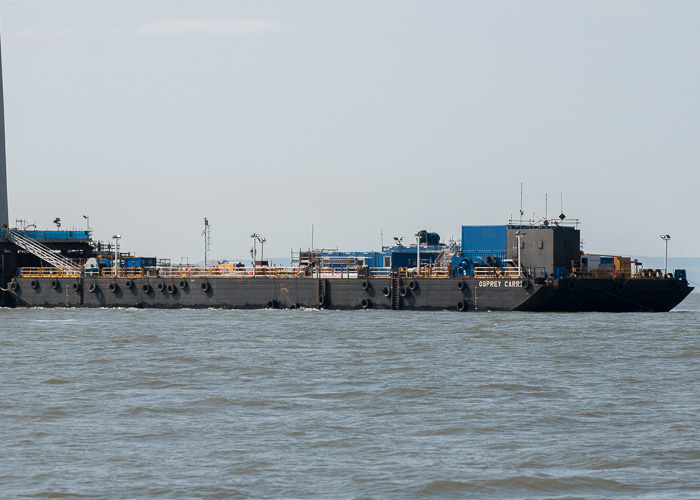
point(4, 214)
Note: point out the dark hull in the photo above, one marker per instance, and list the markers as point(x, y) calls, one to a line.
point(342, 293)
point(608, 295)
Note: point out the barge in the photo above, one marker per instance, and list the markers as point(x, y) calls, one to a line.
point(532, 266)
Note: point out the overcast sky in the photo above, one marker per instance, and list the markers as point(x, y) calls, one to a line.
point(356, 117)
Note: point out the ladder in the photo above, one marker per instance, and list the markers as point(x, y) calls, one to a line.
point(42, 251)
point(395, 298)
point(321, 293)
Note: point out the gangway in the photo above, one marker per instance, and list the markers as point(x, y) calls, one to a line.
point(42, 251)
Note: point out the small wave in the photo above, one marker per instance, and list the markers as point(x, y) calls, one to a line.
point(55, 381)
point(55, 494)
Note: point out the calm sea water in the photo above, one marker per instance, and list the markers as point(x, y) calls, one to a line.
point(320, 404)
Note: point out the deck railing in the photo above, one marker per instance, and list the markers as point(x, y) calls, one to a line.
point(498, 272)
point(326, 272)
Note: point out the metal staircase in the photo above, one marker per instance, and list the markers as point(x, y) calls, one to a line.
point(42, 251)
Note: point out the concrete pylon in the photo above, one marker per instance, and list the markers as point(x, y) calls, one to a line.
point(4, 213)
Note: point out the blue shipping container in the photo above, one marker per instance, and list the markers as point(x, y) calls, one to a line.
point(484, 238)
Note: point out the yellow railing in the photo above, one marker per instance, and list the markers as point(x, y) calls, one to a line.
point(498, 272)
point(608, 273)
point(46, 272)
point(425, 272)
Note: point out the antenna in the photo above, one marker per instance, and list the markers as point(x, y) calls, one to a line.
point(545, 206)
point(561, 215)
point(521, 204)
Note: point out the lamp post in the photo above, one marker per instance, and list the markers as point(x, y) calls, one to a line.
point(116, 253)
point(519, 236)
point(418, 252)
point(262, 241)
point(666, 237)
point(87, 218)
point(255, 237)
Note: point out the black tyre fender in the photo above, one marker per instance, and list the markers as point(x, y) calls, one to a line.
point(14, 286)
point(171, 289)
point(365, 285)
point(76, 286)
point(54, 283)
point(34, 284)
point(619, 286)
point(386, 291)
point(412, 285)
point(128, 284)
point(204, 286)
point(365, 303)
point(404, 291)
point(113, 287)
point(182, 284)
point(571, 285)
point(160, 286)
point(146, 287)
point(461, 305)
point(461, 285)
point(92, 288)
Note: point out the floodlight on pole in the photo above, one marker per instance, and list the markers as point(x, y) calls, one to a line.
point(418, 250)
point(666, 238)
point(116, 238)
point(519, 235)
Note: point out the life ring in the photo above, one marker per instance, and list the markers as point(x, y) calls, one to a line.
point(365, 303)
point(183, 284)
point(160, 286)
point(461, 285)
point(412, 285)
point(619, 286)
point(92, 288)
point(404, 291)
point(171, 289)
point(128, 284)
point(216, 270)
point(461, 305)
point(365, 285)
point(13, 286)
point(34, 284)
point(204, 286)
point(146, 287)
point(54, 283)
point(76, 286)
point(113, 287)
point(386, 291)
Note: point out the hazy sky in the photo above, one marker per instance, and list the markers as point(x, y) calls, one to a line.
point(355, 116)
